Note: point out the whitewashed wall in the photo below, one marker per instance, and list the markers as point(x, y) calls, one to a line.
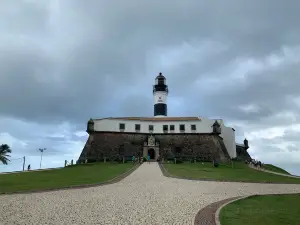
point(112, 125)
point(228, 135)
point(202, 126)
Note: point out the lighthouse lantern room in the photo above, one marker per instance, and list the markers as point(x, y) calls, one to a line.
point(160, 94)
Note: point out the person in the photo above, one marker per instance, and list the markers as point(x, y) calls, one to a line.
point(133, 159)
point(148, 158)
point(28, 168)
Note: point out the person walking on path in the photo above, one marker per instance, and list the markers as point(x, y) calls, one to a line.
point(148, 158)
point(133, 159)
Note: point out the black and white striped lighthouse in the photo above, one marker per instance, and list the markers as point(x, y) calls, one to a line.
point(160, 94)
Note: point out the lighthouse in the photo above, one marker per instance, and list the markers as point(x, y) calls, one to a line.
point(160, 94)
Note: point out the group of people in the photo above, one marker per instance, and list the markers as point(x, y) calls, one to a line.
point(141, 159)
point(137, 159)
point(254, 163)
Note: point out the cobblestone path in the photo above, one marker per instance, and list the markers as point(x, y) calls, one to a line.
point(144, 197)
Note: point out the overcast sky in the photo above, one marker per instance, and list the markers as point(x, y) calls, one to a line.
point(63, 62)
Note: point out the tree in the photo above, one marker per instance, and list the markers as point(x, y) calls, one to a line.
point(4, 153)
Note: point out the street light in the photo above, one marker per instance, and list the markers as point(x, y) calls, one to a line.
point(41, 150)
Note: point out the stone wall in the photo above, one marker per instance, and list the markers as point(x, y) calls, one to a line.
point(242, 154)
point(187, 146)
point(205, 147)
point(112, 145)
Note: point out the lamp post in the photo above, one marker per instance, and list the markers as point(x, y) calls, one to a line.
point(41, 150)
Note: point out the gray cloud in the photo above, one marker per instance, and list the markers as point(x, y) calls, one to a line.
point(64, 62)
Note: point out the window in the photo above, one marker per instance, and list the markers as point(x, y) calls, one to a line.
point(193, 127)
point(122, 126)
point(172, 127)
point(138, 127)
point(182, 127)
point(165, 127)
point(150, 127)
point(161, 81)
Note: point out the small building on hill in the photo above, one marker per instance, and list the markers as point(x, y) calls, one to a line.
point(161, 136)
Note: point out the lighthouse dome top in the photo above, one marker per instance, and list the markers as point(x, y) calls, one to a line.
point(160, 76)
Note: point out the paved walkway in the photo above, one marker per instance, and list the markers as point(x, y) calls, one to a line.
point(269, 171)
point(144, 197)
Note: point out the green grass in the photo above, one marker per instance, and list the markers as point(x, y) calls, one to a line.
point(275, 169)
point(239, 172)
point(58, 178)
point(263, 210)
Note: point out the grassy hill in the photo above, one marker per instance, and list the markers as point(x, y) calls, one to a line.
point(275, 169)
point(59, 178)
point(262, 210)
point(239, 171)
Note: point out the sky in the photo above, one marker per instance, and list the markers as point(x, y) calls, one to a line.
point(63, 62)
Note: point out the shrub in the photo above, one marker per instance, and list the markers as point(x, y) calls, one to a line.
point(170, 156)
point(119, 159)
point(216, 164)
point(91, 160)
point(179, 161)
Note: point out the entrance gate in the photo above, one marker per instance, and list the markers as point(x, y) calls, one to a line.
point(151, 153)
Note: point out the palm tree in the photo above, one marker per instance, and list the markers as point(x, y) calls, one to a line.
point(4, 153)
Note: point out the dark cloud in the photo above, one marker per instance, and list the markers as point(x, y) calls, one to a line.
point(74, 56)
point(64, 62)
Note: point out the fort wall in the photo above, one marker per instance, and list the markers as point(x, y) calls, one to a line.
point(111, 145)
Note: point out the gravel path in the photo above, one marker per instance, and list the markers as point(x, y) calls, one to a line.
point(144, 197)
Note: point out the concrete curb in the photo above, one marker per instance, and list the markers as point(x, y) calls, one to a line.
point(206, 215)
point(167, 174)
point(112, 181)
point(217, 214)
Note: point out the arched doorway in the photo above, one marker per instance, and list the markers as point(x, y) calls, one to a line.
point(151, 153)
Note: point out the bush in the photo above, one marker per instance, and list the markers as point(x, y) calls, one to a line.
point(119, 159)
point(216, 164)
point(179, 161)
point(170, 156)
point(91, 160)
point(144, 159)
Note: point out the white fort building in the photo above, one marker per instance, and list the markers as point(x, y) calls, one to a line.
point(161, 136)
